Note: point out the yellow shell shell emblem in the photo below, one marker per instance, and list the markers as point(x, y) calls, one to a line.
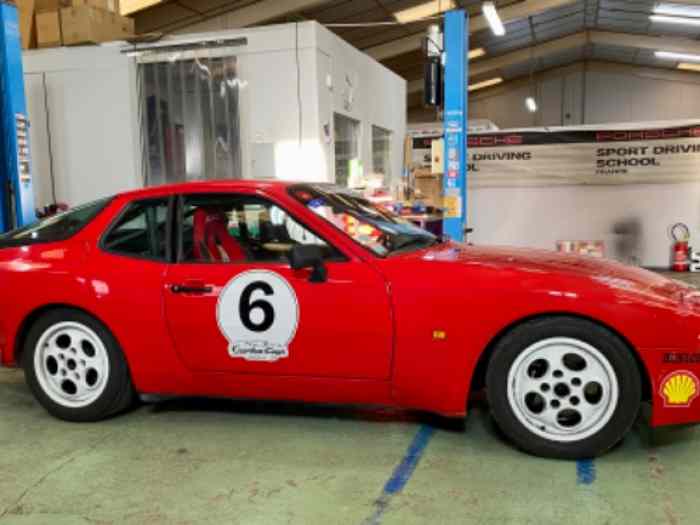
point(679, 389)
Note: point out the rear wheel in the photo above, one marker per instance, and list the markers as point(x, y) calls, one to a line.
point(75, 367)
point(563, 387)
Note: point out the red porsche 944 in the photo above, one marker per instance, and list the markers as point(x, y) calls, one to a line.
point(308, 292)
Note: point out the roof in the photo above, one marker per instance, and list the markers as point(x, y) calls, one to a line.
point(210, 185)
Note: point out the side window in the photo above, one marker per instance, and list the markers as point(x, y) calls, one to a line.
point(239, 228)
point(141, 231)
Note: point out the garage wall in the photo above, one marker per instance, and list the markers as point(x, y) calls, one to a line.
point(641, 94)
point(633, 220)
point(592, 93)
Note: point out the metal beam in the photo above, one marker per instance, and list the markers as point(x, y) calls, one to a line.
point(519, 11)
point(485, 67)
point(653, 43)
point(578, 40)
point(267, 10)
point(477, 23)
point(493, 66)
point(396, 47)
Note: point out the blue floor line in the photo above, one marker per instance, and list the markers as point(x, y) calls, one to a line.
point(402, 473)
point(585, 472)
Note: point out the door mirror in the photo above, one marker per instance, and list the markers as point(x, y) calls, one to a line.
point(309, 256)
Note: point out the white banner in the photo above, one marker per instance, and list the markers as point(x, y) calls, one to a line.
point(585, 156)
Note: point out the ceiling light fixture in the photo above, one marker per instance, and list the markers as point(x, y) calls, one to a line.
point(663, 19)
point(673, 9)
point(476, 53)
point(686, 66)
point(681, 57)
point(531, 104)
point(485, 84)
point(425, 10)
point(491, 14)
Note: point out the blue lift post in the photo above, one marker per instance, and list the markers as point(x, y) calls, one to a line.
point(16, 193)
point(456, 81)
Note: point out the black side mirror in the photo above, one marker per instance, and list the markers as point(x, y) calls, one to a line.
point(309, 256)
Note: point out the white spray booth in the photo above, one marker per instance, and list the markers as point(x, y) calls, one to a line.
point(292, 102)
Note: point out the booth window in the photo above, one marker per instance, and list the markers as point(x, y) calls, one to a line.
point(347, 148)
point(381, 153)
point(190, 119)
point(141, 231)
point(232, 228)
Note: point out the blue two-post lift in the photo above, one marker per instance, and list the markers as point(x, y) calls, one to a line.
point(456, 75)
point(16, 193)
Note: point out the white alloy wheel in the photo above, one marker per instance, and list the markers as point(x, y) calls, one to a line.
point(562, 389)
point(71, 364)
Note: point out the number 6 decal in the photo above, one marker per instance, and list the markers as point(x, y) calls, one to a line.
point(258, 313)
point(245, 307)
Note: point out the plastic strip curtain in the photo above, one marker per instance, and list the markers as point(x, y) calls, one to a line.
point(190, 117)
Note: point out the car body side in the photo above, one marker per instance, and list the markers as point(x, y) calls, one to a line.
point(449, 306)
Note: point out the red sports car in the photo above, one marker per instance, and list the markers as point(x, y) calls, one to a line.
point(309, 292)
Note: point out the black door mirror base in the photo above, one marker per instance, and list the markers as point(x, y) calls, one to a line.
point(309, 256)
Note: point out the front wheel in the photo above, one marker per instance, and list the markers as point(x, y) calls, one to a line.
point(75, 367)
point(563, 387)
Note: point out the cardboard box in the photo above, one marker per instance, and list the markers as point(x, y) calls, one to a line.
point(118, 27)
point(51, 5)
point(99, 4)
point(92, 25)
point(437, 152)
point(128, 25)
point(83, 25)
point(27, 26)
point(48, 29)
point(430, 186)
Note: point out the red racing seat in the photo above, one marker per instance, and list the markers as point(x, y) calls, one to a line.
point(211, 236)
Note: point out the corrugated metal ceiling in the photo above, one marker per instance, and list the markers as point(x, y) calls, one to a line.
point(620, 16)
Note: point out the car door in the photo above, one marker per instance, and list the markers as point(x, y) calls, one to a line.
point(234, 304)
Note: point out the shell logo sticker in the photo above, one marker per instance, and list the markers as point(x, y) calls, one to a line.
point(679, 389)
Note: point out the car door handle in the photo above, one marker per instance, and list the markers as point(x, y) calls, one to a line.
point(180, 288)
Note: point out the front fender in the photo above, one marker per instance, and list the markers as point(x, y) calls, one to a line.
point(448, 315)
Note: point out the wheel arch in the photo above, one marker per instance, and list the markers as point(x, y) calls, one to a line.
point(478, 379)
point(37, 313)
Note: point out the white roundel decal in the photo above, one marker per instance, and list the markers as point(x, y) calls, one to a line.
point(258, 313)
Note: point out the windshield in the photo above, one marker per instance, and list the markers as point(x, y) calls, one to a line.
point(57, 227)
point(370, 225)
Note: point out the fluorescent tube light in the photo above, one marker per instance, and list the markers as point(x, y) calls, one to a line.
point(485, 84)
point(426, 10)
point(491, 14)
point(476, 53)
point(686, 66)
point(681, 57)
point(673, 9)
point(531, 104)
point(663, 19)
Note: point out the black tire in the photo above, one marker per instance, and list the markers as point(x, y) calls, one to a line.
point(607, 343)
point(118, 394)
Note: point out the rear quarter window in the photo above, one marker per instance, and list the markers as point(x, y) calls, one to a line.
point(56, 228)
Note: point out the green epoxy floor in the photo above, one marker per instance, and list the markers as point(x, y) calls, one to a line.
point(265, 463)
